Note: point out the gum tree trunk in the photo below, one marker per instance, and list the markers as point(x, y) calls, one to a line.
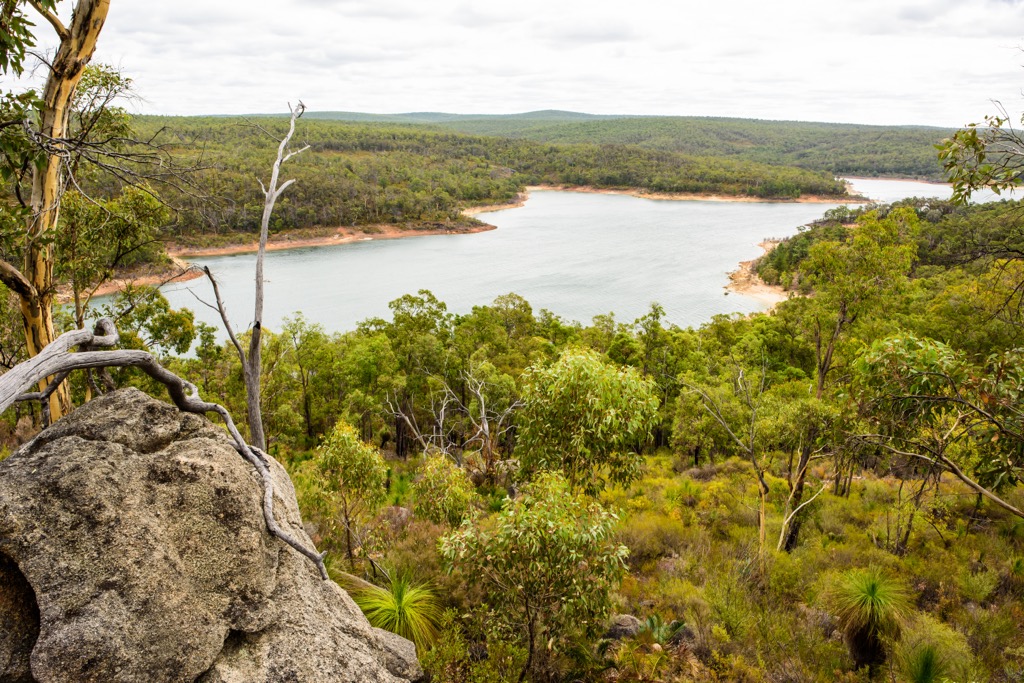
point(34, 283)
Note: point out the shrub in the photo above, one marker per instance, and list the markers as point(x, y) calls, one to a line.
point(444, 493)
point(930, 652)
point(976, 587)
point(650, 536)
point(547, 564)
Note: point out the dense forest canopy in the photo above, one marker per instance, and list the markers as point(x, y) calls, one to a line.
point(842, 149)
point(360, 174)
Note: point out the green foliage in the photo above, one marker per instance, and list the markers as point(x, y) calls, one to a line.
point(366, 174)
point(546, 563)
point(982, 155)
point(350, 483)
point(451, 661)
point(412, 611)
point(842, 149)
point(98, 236)
point(145, 320)
point(443, 492)
point(932, 652)
point(871, 608)
point(913, 387)
point(585, 418)
point(651, 536)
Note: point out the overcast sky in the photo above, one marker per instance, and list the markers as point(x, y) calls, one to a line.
point(934, 62)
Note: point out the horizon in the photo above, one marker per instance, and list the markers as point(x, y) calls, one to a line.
point(423, 113)
point(879, 62)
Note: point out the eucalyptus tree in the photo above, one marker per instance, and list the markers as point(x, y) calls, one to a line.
point(45, 119)
point(547, 564)
point(350, 483)
point(252, 365)
point(852, 278)
point(586, 418)
point(934, 407)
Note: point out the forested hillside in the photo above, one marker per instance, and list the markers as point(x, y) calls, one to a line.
point(829, 491)
point(740, 488)
point(842, 149)
point(358, 174)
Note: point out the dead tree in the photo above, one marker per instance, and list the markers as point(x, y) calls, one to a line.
point(57, 361)
point(253, 359)
point(484, 428)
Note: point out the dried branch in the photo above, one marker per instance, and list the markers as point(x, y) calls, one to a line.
point(937, 459)
point(224, 314)
point(55, 22)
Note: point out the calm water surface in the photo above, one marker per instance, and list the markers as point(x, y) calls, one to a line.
point(576, 254)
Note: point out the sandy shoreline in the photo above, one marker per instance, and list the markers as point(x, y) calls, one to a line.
point(746, 282)
point(181, 271)
point(690, 197)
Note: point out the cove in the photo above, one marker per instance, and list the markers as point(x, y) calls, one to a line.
point(575, 254)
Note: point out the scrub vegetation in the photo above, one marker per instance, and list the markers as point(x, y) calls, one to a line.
point(827, 492)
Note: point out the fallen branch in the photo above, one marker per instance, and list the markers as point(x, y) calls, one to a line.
point(56, 360)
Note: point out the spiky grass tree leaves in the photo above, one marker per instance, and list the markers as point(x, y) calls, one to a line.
point(410, 610)
point(586, 418)
point(546, 562)
point(871, 609)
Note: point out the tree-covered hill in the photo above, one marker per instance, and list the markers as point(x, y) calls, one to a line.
point(359, 173)
point(843, 149)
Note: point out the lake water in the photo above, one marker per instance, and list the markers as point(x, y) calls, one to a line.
point(576, 254)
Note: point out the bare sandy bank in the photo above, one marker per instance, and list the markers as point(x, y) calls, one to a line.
point(180, 270)
point(745, 281)
point(690, 197)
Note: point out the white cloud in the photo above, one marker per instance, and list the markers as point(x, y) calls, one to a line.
point(938, 62)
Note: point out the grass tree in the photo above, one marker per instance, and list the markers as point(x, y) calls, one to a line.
point(410, 610)
point(871, 609)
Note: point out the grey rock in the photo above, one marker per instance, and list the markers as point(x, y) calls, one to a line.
point(623, 626)
point(19, 623)
point(139, 536)
point(399, 655)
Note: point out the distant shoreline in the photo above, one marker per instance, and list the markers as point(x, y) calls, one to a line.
point(690, 196)
point(180, 270)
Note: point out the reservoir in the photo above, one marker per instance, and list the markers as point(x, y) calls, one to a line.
point(576, 254)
